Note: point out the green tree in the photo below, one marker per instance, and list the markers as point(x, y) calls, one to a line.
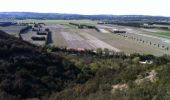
point(99, 51)
point(106, 52)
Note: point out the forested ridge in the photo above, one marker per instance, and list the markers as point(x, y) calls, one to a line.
point(61, 16)
point(28, 72)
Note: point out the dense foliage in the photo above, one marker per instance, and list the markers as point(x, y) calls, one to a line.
point(144, 81)
point(27, 71)
point(49, 73)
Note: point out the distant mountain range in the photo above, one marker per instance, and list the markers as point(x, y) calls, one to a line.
point(31, 15)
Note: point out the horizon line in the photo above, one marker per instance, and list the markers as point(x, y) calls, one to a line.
point(85, 14)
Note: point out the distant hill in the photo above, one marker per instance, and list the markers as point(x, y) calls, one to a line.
point(31, 15)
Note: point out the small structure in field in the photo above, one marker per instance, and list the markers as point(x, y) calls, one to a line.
point(35, 38)
point(103, 30)
point(35, 29)
point(119, 31)
point(42, 33)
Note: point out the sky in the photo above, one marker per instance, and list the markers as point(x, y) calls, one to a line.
point(89, 7)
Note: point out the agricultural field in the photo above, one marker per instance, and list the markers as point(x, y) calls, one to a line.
point(127, 45)
point(63, 34)
point(28, 37)
point(57, 39)
point(146, 35)
point(86, 22)
point(164, 33)
point(13, 29)
point(153, 32)
point(72, 38)
point(34, 38)
point(104, 38)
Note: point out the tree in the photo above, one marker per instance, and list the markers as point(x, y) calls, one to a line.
point(99, 51)
point(136, 59)
point(106, 52)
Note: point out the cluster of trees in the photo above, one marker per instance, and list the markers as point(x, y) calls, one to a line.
point(26, 71)
point(99, 52)
point(83, 26)
point(114, 71)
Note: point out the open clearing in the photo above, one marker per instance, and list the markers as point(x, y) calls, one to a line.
point(141, 34)
point(153, 32)
point(28, 37)
point(86, 22)
point(75, 40)
point(91, 39)
point(127, 45)
point(164, 33)
point(137, 40)
point(13, 29)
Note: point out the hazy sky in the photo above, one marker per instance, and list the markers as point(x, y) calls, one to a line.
point(115, 7)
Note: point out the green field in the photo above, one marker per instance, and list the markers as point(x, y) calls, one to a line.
point(87, 22)
point(164, 33)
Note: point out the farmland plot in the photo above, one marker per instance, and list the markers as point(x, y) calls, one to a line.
point(150, 38)
point(75, 38)
point(56, 26)
point(57, 39)
point(75, 41)
point(145, 35)
point(87, 22)
point(91, 39)
point(125, 44)
point(28, 37)
point(70, 38)
point(131, 46)
point(97, 43)
point(12, 30)
point(153, 32)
